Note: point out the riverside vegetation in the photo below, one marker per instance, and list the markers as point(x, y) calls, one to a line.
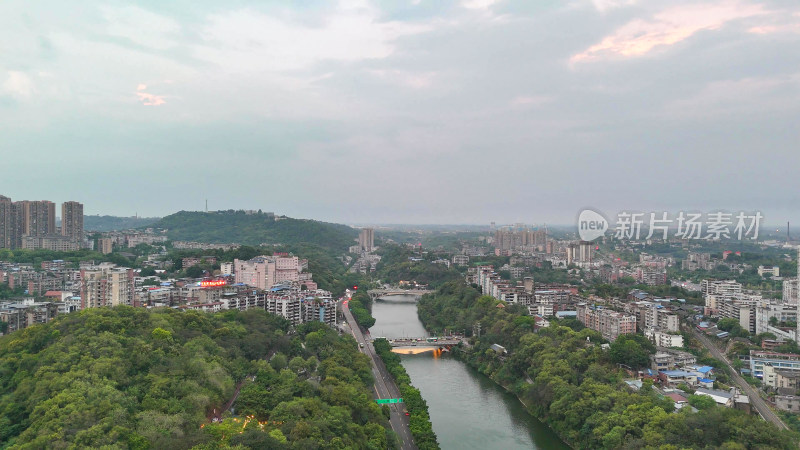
point(135, 378)
point(419, 418)
point(575, 386)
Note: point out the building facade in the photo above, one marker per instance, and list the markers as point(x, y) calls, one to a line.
point(107, 286)
point(72, 221)
point(609, 323)
point(366, 239)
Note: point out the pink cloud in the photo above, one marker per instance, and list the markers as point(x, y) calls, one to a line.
point(639, 37)
point(150, 99)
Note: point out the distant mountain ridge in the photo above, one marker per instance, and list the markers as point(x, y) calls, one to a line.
point(111, 223)
point(254, 228)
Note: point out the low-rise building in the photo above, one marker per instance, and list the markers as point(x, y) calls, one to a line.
point(773, 271)
point(779, 361)
point(460, 260)
point(663, 338)
point(781, 378)
point(666, 358)
point(722, 398)
point(789, 403)
point(21, 315)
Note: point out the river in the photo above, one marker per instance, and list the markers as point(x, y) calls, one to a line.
point(468, 410)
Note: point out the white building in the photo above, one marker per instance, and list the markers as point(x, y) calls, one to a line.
point(226, 268)
point(664, 339)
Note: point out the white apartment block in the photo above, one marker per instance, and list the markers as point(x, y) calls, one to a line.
point(790, 290)
point(774, 271)
point(107, 286)
point(460, 260)
point(664, 339)
point(226, 268)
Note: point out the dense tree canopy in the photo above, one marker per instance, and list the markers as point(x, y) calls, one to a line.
point(254, 229)
point(135, 378)
point(576, 387)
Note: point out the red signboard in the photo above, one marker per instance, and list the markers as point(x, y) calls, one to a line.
point(212, 283)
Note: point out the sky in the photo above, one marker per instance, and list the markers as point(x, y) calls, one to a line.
point(423, 111)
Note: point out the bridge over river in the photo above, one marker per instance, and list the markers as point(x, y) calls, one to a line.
point(374, 294)
point(447, 341)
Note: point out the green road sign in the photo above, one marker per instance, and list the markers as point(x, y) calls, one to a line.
point(381, 401)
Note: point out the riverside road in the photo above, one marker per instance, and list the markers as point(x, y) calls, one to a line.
point(385, 386)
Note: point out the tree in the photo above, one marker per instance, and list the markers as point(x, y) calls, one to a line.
point(632, 350)
point(278, 361)
point(702, 402)
point(195, 272)
point(297, 364)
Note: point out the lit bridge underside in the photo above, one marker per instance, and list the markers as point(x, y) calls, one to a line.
point(436, 351)
point(425, 342)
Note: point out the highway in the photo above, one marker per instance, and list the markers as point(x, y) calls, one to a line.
point(755, 399)
point(385, 386)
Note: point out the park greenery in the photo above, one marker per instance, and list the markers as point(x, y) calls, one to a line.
point(419, 418)
point(569, 381)
point(254, 229)
point(135, 378)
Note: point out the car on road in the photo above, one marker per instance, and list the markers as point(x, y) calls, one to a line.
point(361, 345)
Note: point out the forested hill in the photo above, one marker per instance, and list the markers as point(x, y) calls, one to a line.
point(111, 223)
point(154, 379)
point(254, 229)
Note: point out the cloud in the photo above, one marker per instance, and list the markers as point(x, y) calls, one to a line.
point(639, 36)
point(605, 5)
point(150, 99)
point(247, 40)
point(414, 80)
point(478, 4)
point(141, 87)
point(18, 84)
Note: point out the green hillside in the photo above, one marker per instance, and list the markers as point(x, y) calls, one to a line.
point(254, 229)
point(111, 223)
point(134, 378)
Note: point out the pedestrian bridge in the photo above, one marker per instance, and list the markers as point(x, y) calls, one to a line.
point(447, 341)
point(374, 294)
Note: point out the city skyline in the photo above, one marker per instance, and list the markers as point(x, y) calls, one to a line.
point(417, 112)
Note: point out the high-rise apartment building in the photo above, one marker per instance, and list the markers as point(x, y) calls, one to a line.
point(7, 225)
point(72, 220)
point(106, 245)
point(510, 240)
point(38, 217)
point(107, 286)
point(366, 239)
point(32, 224)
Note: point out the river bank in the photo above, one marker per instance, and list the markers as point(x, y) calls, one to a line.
point(458, 353)
point(467, 409)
